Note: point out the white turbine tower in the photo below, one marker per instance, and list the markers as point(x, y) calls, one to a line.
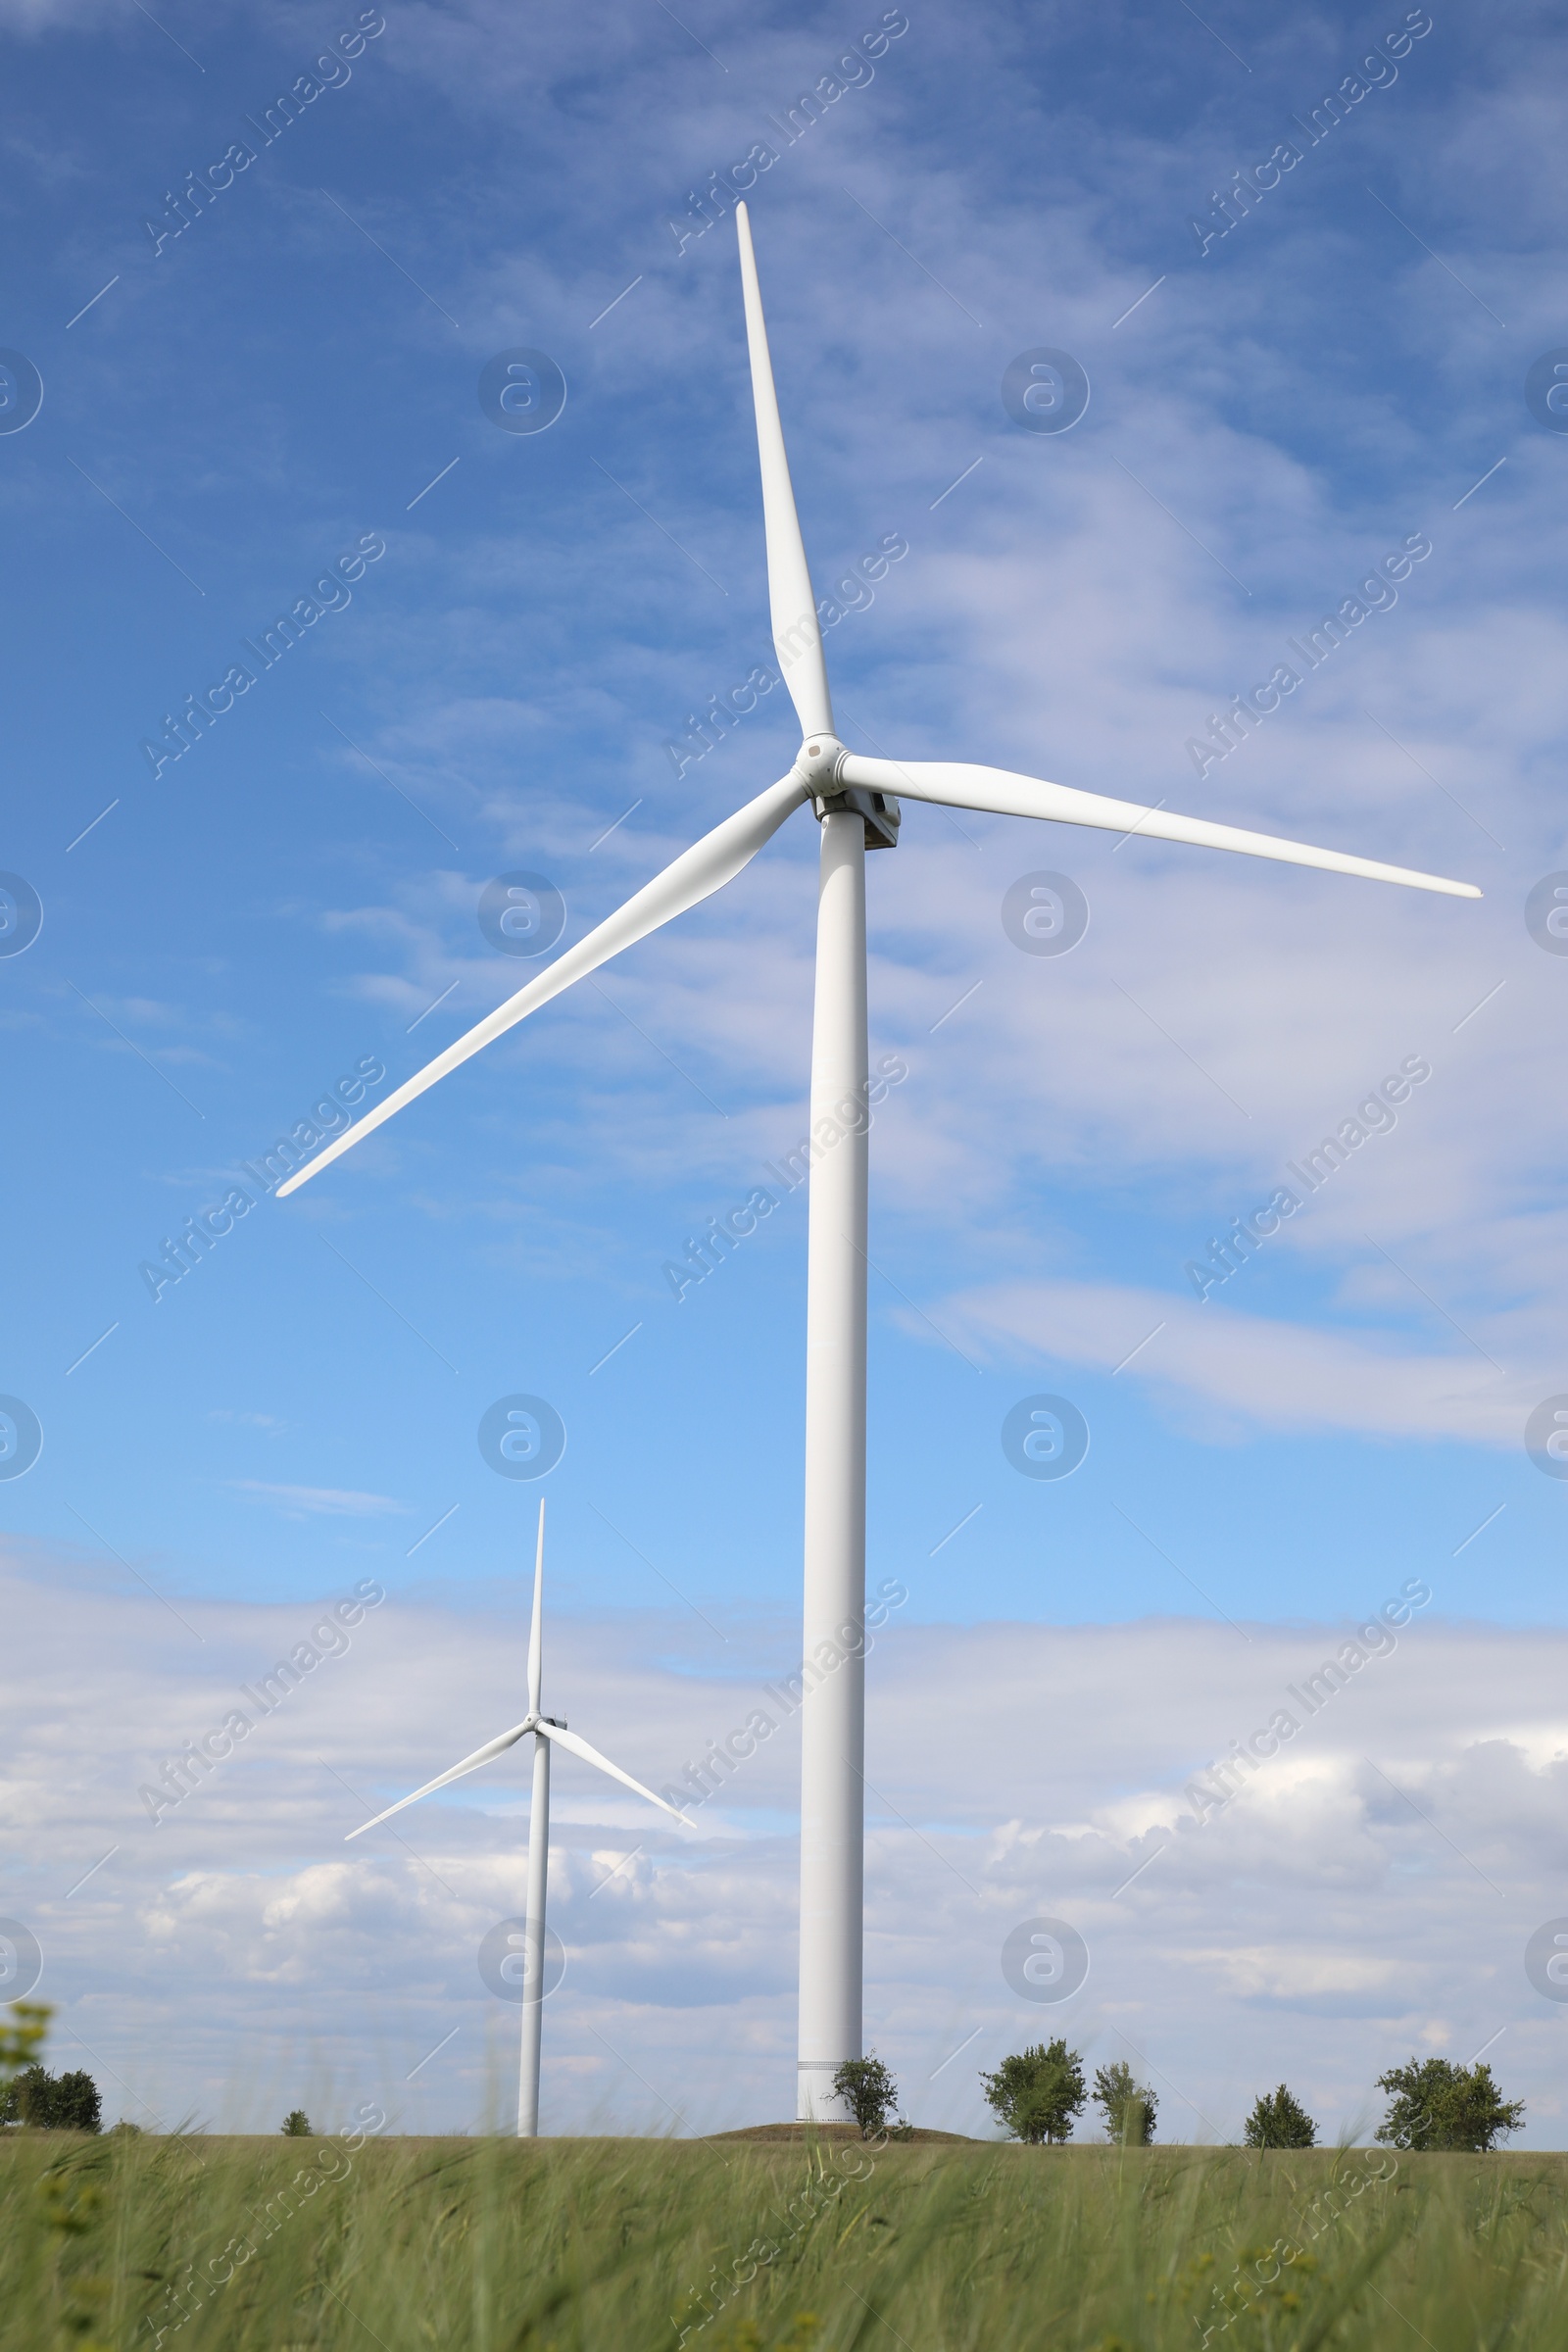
point(546, 1729)
point(853, 798)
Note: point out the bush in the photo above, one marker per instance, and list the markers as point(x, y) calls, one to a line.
point(1435, 2104)
point(1037, 2092)
point(871, 2094)
point(1129, 2109)
point(1279, 2121)
point(296, 2124)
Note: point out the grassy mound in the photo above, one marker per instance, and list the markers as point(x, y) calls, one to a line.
point(809, 2134)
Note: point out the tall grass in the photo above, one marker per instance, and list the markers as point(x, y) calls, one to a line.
point(209, 2244)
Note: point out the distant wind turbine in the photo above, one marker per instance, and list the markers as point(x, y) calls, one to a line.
point(853, 800)
point(547, 1730)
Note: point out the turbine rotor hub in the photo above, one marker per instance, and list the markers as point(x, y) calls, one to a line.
point(818, 763)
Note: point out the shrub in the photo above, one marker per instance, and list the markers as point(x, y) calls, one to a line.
point(1037, 2092)
point(1279, 2121)
point(1129, 2109)
point(871, 2094)
point(1435, 2104)
point(296, 2124)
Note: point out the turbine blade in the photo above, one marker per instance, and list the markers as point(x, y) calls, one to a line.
point(535, 1636)
point(692, 878)
point(999, 792)
point(792, 599)
point(591, 1755)
point(480, 1755)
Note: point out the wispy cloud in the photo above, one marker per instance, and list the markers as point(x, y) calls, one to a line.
point(1273, 1373)
point(321, 1503)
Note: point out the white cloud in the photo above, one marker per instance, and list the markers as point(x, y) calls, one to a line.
point(1272, 1374)
point(1283, 1974)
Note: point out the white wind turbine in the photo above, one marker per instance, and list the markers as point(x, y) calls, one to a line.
point(853, 798)
point(546, 1729)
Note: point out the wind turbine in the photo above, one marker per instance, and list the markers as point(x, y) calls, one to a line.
point(548, 1730)
point(855, 800)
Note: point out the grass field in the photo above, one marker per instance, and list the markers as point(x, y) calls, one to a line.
point(612, 2245)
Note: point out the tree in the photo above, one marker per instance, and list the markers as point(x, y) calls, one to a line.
point(1435, 2104)
point(1037, 2092)
point(1279, 2121)
point(871, 2094)
point(78, 2106)
point(296, 2124)
point(1129, 2109)
point(27, 2096)
point(53, 2102)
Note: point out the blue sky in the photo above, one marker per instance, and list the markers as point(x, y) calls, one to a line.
point(295, 376)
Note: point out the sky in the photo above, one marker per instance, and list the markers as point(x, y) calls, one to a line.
point(1328, 394)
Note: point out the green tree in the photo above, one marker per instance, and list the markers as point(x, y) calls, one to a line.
point(871, 2094)
point(1129, 2109)
point(296, 2124)
point(76, 2103)
point(52, 2102)
point(1434, 2104)
point(1280, 2120)
point(25, 2097)
point(1037, 2092)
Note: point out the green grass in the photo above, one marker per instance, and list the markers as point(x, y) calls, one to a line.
point(197, 2243)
